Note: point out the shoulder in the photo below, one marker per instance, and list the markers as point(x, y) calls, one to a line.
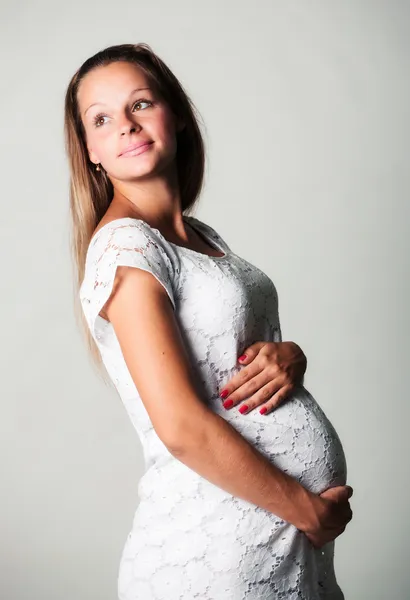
point(128, 235)
point(123, 229)
point(123, 242)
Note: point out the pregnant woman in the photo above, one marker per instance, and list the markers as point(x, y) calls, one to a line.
point(244, 490)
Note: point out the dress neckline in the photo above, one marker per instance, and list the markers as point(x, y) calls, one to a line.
point(188, 219)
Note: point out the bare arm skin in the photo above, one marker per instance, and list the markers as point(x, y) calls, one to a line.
point(220, 454)
point(148, 333)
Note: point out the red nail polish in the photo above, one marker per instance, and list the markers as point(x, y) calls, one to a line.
point(228, 403)
point(224, 394)
point(242, 357)
point(263, 410)
point(243, 408)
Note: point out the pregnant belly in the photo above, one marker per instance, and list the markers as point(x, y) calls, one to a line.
point(213, 537)
point(185, 519)
point(298, 438)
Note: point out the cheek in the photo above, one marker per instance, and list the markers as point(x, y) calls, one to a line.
point(168, 136)
point(103, 143)
point(166, 125)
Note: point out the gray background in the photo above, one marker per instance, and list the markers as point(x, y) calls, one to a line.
point(306, 106)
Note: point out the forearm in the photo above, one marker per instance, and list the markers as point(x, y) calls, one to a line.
point(225, 458)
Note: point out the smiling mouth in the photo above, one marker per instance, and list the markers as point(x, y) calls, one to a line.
point(136, 151)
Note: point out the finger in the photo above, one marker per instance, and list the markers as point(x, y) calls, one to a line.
point(250, 352)
point(345, 513)
point(244, 383)
point(276, 397)
point(255, 391)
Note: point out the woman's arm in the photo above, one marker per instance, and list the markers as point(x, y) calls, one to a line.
point(149, 336)
point(219, 453)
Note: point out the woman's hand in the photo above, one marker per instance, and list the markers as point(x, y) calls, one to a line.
point(272, 371)
point(333, 516)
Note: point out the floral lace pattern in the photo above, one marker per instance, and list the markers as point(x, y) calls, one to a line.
point(189, 538)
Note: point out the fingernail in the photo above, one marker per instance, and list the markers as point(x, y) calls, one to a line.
point(228, 403)
point(224, 394)
point(263, 410)
point(243, 408)
point(242, 357)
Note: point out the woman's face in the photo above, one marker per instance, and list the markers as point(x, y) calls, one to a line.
point(118, 108)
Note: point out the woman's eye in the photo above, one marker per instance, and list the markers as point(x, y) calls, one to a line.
point(96, 119)
point(142, 102)
point(100, 116)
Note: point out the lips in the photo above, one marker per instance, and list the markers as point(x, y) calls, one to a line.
point(135, 146)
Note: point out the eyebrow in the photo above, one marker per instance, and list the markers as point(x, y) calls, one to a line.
point(133, 91)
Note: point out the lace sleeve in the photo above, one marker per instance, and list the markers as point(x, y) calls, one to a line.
point(131, 244)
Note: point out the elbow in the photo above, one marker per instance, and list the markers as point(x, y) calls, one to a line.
point(184, 436)
point(177, 441)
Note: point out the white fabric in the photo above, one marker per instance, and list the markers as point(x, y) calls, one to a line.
point(189, 538)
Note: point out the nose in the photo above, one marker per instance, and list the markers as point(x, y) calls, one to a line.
point(129, 128)
point(128, 125)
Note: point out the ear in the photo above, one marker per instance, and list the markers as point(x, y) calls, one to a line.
point(93, 157)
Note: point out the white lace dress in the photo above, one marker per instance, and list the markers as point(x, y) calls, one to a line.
point(189, 538)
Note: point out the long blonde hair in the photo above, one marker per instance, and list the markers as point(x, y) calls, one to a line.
point(91, 192)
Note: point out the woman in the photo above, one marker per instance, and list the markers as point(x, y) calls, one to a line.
point(234, 504)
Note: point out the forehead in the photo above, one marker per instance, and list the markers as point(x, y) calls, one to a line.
point(110, 83)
